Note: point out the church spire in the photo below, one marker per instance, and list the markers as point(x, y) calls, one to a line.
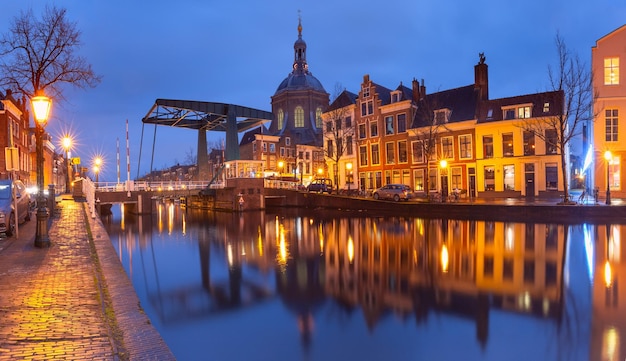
point(299, 63)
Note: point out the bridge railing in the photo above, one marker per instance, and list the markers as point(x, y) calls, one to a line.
point(154, 186)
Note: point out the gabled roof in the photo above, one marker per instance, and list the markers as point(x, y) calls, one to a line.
point(250, 135)
point(384, 94)
point(491, 110)
point(407, 93)
point(344, 99)
point(462, 103)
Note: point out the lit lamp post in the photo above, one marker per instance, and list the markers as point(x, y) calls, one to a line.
point(41, 109)
point(67, 143)
point(444, 179)
point(281, 164)
point(608, 156)
point(349, 175)
point(96, 168)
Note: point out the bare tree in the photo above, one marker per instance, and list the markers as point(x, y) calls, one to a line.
point(39, 55)
point(572, 81)
point(191, 157)
point(338, 134)
point(429, 126)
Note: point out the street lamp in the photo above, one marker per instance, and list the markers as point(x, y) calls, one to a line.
point(96, 168)
point(281, 164)
point(67, 143)
point(608, 156)
point(41, 109)
point(444, 179)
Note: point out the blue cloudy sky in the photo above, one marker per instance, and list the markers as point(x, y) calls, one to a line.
point(239, 51)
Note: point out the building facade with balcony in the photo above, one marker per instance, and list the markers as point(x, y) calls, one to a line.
point(609, 107)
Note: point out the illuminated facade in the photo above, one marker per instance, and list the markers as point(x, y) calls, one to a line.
point(609, 108)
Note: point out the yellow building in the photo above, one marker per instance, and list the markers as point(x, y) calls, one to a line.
point(609, 105)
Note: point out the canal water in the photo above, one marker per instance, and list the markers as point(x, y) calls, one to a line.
point(318, 285)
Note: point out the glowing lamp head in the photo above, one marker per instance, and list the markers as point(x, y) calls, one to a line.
point(41, 109)
point(67, 142)
point(608, 156)
point(443, 163)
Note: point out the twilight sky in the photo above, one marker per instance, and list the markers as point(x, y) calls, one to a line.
point(239, 51)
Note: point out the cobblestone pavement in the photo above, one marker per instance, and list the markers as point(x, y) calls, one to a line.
point(55, 302)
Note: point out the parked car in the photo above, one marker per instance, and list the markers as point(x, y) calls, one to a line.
point(7, 206)
point(394, 191)
point(321, 185)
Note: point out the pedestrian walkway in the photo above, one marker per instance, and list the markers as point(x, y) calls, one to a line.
point(72, 301)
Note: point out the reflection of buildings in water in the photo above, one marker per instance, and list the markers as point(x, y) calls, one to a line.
point(608, 329)
point(461, 267)
point(299, 269)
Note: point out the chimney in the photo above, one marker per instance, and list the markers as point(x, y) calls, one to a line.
point(481, 78)
point(422, 90)
point(416, 90)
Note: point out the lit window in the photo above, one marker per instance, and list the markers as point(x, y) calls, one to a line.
point(523, 112)
point(299, 117)
point(389, 125)
point(318, 118)
point(375, 154)
point(507, 145)
point(447, 148)
point(546, 107)
point(611, 71)
point(281, 118)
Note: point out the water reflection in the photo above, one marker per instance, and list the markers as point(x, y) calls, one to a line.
point(528, 291)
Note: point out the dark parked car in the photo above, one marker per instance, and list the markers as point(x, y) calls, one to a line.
point(394, 191)
point(7, 206)
point(321, 185)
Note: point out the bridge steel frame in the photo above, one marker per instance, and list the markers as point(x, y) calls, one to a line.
point(206, 116)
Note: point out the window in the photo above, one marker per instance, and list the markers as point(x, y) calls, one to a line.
point(490, 180)
point(329, 127)
point(402, 152)
point(490, 114)
point(362, 133)
point(367, 107)
point(390, 149)
point(546, 107)
point(447, 148)
point(375, 154)
point(507, 145)
point(281, 118)
point(614, 173)
point(338, 124)
point(379, 179)
point(456, 178)
point(330, 148)
point(348, 122)
point(611, 116)
point(366, 92)
point(318, 117)
point(287, 141)
point(349, 145)
point(401, 123)
point(373, 129)
point(363, 155)
point(264, 146)
point(509, 114)
point(396, 96)
point(529, 143)
point(254, 147)
point(552, 177)
point(418, 151)
point(551, 141)
point(509, 177)
point(432, 179)
point(488, 146)
point(299, 117)
point(523, 112)
point(282, 152)
point(611, 71)
point(465, 146)
point(300, 155)
point(441, 116)
point(272, 148)
point(419, 179)
point(389, 125)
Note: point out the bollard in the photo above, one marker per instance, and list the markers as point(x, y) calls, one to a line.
point(51, 199)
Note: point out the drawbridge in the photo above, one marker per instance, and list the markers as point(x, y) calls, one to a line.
point(202, 117)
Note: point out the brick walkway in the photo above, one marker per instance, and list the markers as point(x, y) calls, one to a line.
point(54, 301)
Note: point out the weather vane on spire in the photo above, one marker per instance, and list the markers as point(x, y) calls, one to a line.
point(299, 23)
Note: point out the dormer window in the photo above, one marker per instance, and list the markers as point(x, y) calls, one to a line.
point(490, 114)
point(517, 112)
point(546, 107)
point(442, 116)
point(396, 96)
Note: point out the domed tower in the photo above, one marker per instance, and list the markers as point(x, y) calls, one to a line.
point(299, 102)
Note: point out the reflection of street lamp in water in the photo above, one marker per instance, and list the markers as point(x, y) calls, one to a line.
point(608, 156)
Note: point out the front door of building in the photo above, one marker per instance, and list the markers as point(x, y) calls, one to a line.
point(529, 177)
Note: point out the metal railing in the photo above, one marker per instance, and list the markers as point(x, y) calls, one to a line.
point(154, 186)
